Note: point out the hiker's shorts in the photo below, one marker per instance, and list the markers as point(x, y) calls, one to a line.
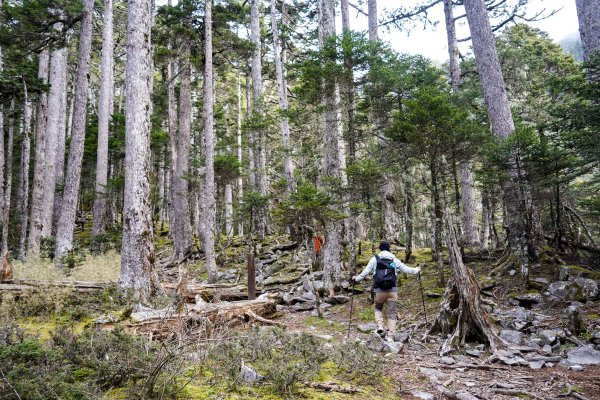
point(389, 299)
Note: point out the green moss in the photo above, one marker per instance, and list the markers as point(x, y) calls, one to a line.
point(325, 324)
point(43, 328)
point(366, 314)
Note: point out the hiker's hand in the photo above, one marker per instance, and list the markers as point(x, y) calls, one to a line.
point(418, 270)
point(355, 279)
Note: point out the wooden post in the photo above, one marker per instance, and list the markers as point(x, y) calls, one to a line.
point(251, 277)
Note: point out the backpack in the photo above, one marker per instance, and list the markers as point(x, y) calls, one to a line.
point(385, 274)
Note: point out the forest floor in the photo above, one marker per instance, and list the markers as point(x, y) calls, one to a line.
point(414, 370)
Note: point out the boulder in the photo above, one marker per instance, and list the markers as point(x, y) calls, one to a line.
point(422, 395)
point(547, 336)
point(376, 343)
point(447, 360)
point(401, 337)
point(539, 283)
point(249, 375)
point(366, 328)
point(583, 356)
point(473, 353)
point(339, 299)
point(580, 289)
point(510, 336)
point(595, 337)
point(528, 299)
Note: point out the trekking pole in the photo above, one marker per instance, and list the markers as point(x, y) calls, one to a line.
point(351, 307)
point(422, 298)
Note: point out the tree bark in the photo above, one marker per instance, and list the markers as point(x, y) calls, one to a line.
point(24, 174)
point(66, 221)
point(373, 24)
point(54, 185)
point(279, 55)
point(2, 154)
point(181, 229)
point(8, 177)
point(257, 141)
point(438, 221)
point(408, 209)
point(469, 220)
point(101, 216)
point(41, 114)
point(331, 157)
point(137, 250)
point(209, 206)
point(589, 26)
point(485, 220)
point(228, 209)
point(240, 180)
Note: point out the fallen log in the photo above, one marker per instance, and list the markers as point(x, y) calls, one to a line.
point(212, 292)
point(332, 387)
point(20, 285)
point(162, 323)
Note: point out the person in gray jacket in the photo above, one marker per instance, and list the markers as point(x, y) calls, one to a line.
point(386, 292)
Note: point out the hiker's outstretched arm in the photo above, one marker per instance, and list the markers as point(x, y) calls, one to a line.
point(405, 268)
point(368, 270)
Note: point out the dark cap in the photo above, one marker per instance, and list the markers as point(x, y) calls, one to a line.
point(384, 246)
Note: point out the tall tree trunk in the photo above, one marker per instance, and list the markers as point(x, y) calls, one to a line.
point(209, 206)
point(24, 174)
point(8, 177)
point(331, 157)
point(589, 26)
point(101, 218)
point(137, 251)
point(181, 229)
point(523, 237)
point(66, 221)
point(469, 220)
point(279, 55)
point(438, 220)
point(469, 215)
point(41, 114)
point(257, 141)
point(54, 184)
point(373, 24)
point(228, 209)
point(240, 157)
point(408, 208)
point(2, 154)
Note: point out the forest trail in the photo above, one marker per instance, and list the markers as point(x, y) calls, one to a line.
point(413, 368)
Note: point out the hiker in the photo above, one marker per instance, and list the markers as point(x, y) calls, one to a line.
point(383, 268)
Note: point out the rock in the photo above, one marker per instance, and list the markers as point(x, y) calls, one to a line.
point(536, 364)
point(106, 319)
point(447, 360)
point(432, 374)
point(576, 368)
point(470, 384)
point(539, 283)
point(433, 295)
point(595, 337)
point(512, 272)
point(534, 344)
point(422, 395)
point(392, 347)
point(473, 353)
point(401, 337)
point(529, 299)
point(325, 337)
point(366, 328)
point(514, 337)
point(580, 289)
point(547, 336)
point(547, 349)
point(376, 343)
point(309, 305)
point(249, 375)
point(583, 356)
point(564, 273)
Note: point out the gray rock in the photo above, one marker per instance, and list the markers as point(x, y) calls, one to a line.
point(595, 337)
point(547, 336)
point(580, 289)
point(339, 299)
point(422, 395)
point(432, 374)
point(401, 337)
point(547, 349)
point(564, 273)
point(539, 283)
point(249, 375)
point(325, 337)
point(392, 347)
point(528, 299)
point(376, 343)
point(366, 328)
point(514, 337)
point(576, 368)
point(473, 352)
point(583, 356)
point(536, 364)
point(447, 360)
